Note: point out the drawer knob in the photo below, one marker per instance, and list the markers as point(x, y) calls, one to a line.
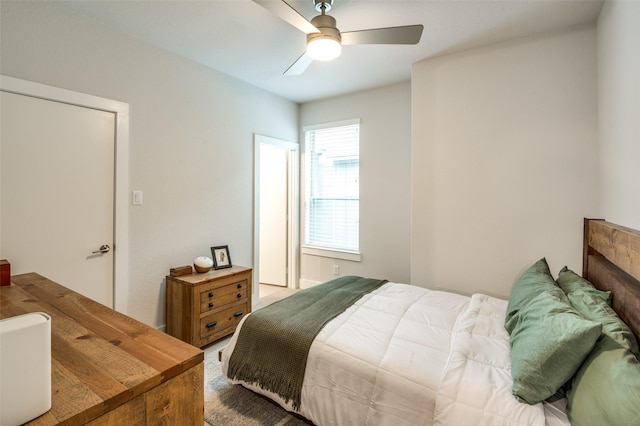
point(210, 305)
point(239, 285)
point(238, 314)
point(212, 324)
point(239, 296)
point(210, 294)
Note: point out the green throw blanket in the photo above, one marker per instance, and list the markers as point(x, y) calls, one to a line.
point(273, 344)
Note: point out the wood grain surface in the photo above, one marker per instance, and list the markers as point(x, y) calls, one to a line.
point(108, 368)
point(612, 263)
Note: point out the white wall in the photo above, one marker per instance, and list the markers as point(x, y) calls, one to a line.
point(385, 182)
point(504, 163)
point(191, 137)
point(619, 111)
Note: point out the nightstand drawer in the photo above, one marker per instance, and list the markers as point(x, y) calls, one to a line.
point(219, 322)
point(215, 298)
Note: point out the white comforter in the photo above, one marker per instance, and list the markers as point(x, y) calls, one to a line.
point(405, 355)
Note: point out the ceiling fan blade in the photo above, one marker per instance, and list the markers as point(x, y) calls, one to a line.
point(300, 65)
point(287, 13)
point(409, 34)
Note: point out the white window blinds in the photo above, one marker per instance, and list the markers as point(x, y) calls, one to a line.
point(332, 200)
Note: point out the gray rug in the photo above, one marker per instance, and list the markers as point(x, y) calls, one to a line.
point(232, 405)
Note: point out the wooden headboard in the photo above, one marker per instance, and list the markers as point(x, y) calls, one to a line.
point(611, 262)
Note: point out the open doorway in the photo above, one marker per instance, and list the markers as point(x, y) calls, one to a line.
point(276, 214)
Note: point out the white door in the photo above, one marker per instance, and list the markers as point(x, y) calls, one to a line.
point(273, 214)
point(57, 192)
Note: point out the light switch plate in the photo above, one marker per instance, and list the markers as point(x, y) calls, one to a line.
point(136, 198)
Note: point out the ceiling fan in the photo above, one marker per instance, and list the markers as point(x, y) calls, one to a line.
point(324, 40)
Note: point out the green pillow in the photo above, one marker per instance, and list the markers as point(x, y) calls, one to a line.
point(569, 282)
point(533, 281)
point(592, 307)
point(549, 340)
point(606, 388)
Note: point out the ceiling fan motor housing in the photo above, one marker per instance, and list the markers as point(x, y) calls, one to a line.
point(327, 26)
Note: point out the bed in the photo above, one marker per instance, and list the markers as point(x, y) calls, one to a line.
point(560, 350)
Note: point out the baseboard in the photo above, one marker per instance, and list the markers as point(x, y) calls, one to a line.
point(308, 283)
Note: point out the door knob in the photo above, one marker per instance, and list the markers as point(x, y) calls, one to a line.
point(102, 250)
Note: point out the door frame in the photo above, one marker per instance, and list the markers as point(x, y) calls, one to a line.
point(121, 172)
point(293, 202)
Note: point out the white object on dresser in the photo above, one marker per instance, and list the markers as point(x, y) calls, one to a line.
point(25, 367)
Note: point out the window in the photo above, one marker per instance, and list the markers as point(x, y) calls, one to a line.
point(332, 192)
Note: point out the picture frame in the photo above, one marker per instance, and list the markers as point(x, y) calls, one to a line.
point(221, 258)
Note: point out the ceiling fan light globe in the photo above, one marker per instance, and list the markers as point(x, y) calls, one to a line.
point(323, 48)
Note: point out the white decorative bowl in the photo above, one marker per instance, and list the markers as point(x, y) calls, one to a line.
point(203, 263)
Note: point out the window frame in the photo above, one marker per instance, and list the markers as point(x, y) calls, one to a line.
point(316, 250)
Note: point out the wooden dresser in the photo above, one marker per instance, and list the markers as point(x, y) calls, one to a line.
point(107, 368)
point(202, 308)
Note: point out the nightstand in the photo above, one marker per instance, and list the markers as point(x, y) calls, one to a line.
point(202, 308)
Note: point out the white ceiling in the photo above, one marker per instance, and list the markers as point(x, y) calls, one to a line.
point(241, 38)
